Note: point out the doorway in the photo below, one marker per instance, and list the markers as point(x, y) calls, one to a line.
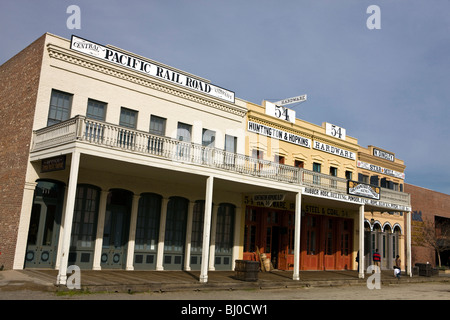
point(116, 229)
point(43, 233)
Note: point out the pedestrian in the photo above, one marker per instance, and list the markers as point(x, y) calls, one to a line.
point(397, 267)
point(357, 259)
point(377, 260)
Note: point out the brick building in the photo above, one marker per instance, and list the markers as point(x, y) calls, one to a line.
point(428, 207)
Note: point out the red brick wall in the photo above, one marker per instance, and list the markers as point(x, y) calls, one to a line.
point(430, 203)
point(19, 79)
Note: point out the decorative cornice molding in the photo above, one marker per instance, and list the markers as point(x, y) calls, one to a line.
point(59, 53)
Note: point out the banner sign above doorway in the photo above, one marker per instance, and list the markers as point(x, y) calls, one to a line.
point(363, 190)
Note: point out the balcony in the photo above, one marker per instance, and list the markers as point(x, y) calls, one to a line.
point(81, 129)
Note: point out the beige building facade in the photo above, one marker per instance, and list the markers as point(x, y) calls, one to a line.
point(126, 163)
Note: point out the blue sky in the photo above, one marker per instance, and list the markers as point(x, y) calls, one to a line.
point(388, 87)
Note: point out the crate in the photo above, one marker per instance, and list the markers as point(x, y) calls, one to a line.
point(246, 270)
point(425, 269)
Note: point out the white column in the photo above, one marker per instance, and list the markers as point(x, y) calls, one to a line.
point(187, 252)
point(237, 235)
point(297, 226)
point(162, 235)
point(132, 233)
point(70, 205)
point(212, 245)
point(408, 244)
point(206, 230)
point(24, 224)
point(361, 242)
point(100, 228)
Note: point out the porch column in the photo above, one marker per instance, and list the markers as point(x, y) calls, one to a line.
point(68, 217)
point(206, 230)
point(132, 233)
point(100, 228)
point(187, 253)
point(162, 235)
point(361, 242)
point(24, 225)
point(408, 244)
point(297, 226)
point(212, 245)
point(237, 236)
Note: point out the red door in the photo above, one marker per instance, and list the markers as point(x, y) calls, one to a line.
point(329, 241)
point(310, 244)
point(345, 249)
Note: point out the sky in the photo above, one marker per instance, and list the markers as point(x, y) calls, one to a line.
point(388, 86)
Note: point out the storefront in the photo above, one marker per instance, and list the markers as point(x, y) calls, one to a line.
point(327, 234)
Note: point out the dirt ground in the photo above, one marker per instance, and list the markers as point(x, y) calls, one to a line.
point(402, 291)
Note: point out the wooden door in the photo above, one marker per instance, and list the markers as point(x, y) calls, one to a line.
point(329, 241)
point(311, 251)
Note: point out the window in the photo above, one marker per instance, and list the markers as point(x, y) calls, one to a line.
point(96, 110)
point(299, 164)
point(197, 227)
point(224, 229)
point(184, 135)
point(348, 175)
point(158, 128)
point(333, 172)
point(230, 143)
point(279, 159)
point(184, 132)
point(208, 138)
point(85, 216)
point(374, 180)
point(157, 125)
point(128, 118)
point(316, 168)
point(363, 178)
point(147, 225)
point(230, 149)
point(60, 105)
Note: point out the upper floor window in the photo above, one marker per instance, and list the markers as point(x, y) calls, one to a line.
point(60, 105)
point(96, 110)
point(316, 167)
point(230, 143)
point(333, 171)
point(348, 175)
point(157, 125)
point(128, 118)
point(208, 138)
point(184, 132)
point(299, 164)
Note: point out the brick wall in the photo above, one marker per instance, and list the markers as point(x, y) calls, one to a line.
point(426, 204)
point(19, 80)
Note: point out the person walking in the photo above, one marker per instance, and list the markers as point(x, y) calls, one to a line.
point(397, 267)
point(377, 260)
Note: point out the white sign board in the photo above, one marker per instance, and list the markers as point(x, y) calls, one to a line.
point(280, 112)
point(334, 150)
point(291, 100)
point(278, 134)
point(335, 131)
point(149, 68)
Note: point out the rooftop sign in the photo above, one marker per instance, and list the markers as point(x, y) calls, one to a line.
point(149, 68)
point(291, 100)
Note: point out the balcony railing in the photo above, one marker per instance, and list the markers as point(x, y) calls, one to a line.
point(113, 136)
